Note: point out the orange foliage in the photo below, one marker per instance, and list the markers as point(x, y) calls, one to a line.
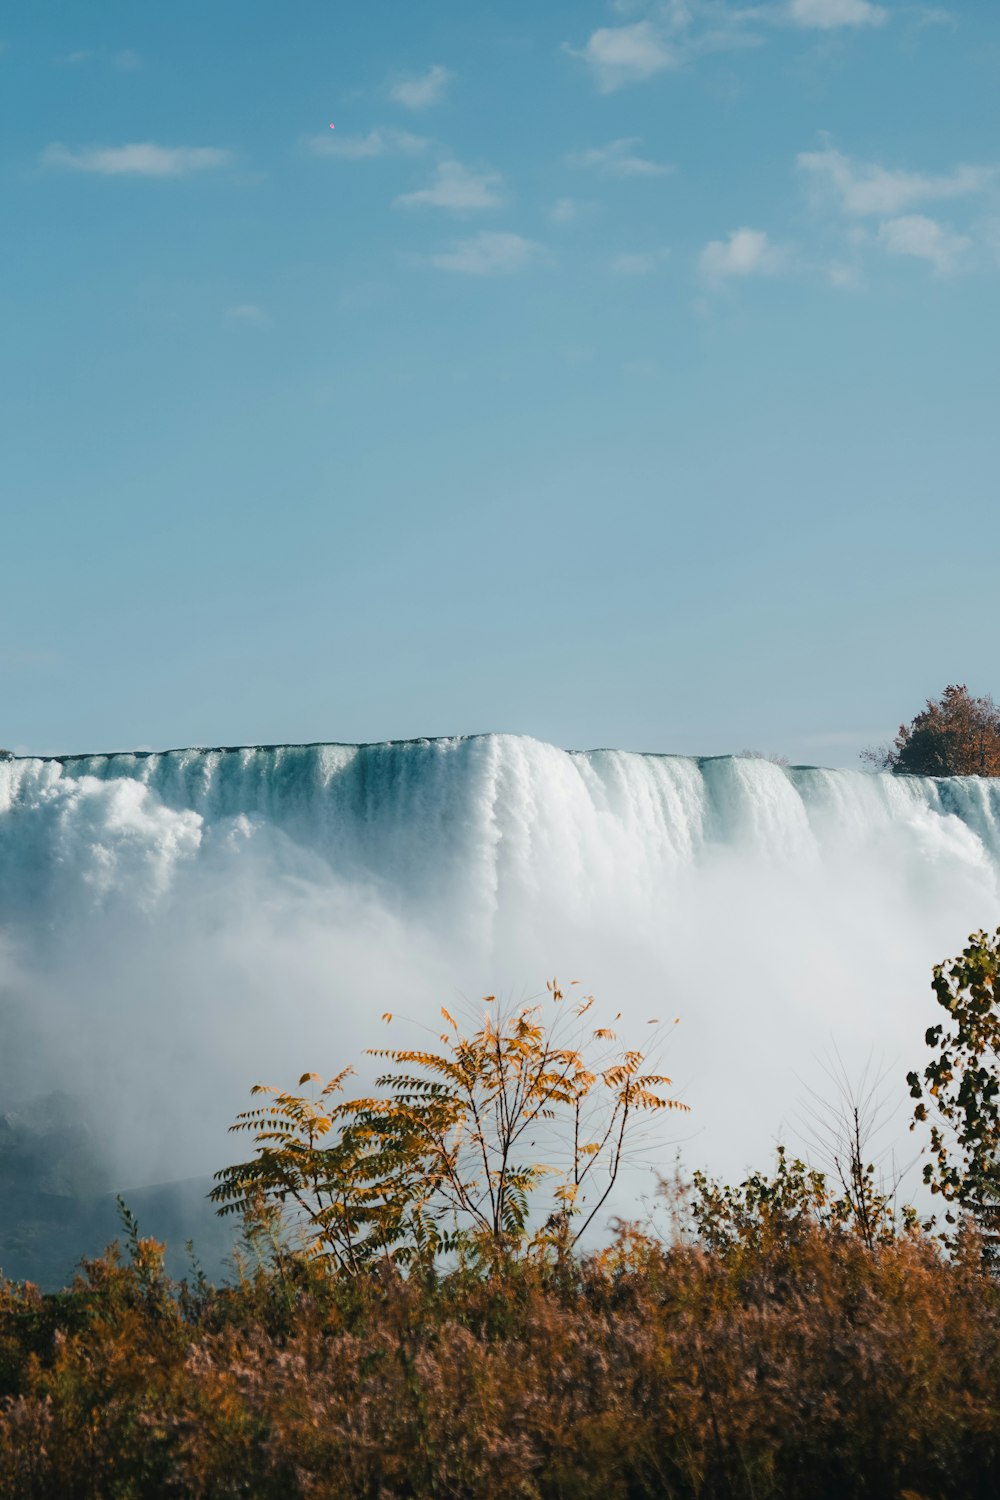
point(745, 1364)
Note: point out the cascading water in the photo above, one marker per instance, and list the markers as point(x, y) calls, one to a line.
point(177, 926)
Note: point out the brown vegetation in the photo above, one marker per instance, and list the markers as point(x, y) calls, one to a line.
point(785, 1338)
point(955, 735)
point(766, 1352)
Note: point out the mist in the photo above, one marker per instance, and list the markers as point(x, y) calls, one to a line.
point(178, 927)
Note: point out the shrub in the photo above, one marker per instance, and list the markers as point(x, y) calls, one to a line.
point(955, 735)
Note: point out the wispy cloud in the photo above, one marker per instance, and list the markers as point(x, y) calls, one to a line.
point(845, 275)
point(618, 55)
point(455, 187)
point(831, 15)
point(380, 141)
point(247, 312)
point(936, 15)
point(620, 159)
point(638, 262)
point(125, 59)
point(860, 191)
point(424, 90)
point(863, 188)
point(925, 239)
point(747, 252)
point(564, 211)
point(143, 159)
point(572, 210)
point(490, 254)
point(672, 34)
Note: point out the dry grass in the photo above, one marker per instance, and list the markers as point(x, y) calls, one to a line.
point(796, 1362)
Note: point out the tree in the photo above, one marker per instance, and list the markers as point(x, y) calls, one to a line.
point(446, 1157)
point(958, 1093)
point(955, 735)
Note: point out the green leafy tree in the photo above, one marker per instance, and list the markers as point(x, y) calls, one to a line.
point(450, 1150)
point(955, 735)
point(958, 1093)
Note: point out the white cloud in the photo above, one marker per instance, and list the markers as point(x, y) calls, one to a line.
point(144, 159)
point(490, 254)
point(457, 188)
point(867, 188)
point(424, 90)
point(618, 55)
point(564, 211)
point(126, 59)
point(991, 237)
point(619, 159)
point(638, 262)
point(378, 142)
point(247, 312)
point(937, 15)
point(844, 276)
point(926, 239)
point(747, 252)
point(672, 34)
point(828, 15)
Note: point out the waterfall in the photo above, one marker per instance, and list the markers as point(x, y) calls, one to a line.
point(176, 926)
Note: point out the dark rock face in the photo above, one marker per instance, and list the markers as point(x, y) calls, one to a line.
point(43, 1236)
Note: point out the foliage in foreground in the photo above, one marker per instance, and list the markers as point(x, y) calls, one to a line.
point(958, 1092)
point(451, 1151)
point(764, 1350)
point(786, 1338)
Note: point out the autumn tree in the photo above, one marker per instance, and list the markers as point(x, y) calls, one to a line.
point(450, 1150)
point(955, 735)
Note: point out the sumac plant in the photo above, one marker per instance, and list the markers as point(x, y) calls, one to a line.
point(449, 1151)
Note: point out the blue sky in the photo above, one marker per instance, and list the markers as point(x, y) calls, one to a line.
point(617, 373)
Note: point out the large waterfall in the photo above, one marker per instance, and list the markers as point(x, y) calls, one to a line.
point(176, 926)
